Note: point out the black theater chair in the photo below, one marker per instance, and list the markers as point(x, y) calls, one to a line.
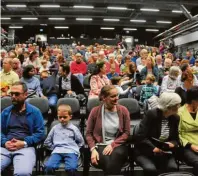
point(42, 104)
point(5, 102)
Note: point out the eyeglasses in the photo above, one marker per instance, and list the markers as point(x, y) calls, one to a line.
point(15, 93)
point(64, 117)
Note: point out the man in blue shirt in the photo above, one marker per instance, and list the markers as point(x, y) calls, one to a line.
point(190, 58)
point(22, 127)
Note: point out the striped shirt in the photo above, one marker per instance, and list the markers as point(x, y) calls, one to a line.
point(165, 129)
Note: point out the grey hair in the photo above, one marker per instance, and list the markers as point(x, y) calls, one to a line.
point(172, 72)
point(168, 100)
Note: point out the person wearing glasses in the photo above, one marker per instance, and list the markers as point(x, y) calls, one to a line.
point(22, 127)
point(64, 140)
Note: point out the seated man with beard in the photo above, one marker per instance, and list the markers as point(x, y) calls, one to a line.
point(22, 127)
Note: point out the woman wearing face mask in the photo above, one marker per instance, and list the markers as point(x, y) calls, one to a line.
point(108, 129)
point(33, 84)
point(171, 82)
point(188, 128)
point(158, 136)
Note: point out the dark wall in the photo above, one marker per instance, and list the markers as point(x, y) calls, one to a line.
point(90, 32)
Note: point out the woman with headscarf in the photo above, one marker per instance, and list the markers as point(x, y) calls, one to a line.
point(158, 136)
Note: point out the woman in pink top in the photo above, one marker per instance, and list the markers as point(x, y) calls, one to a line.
point(98, 79)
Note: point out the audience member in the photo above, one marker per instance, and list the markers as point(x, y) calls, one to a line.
point(64, 140)
point(112, 72)
point(188, 128)
point(22, 128)
point(7, 75)
point(79, 68)
point(33, 83)
point(170, 82)
point(91, 66)
point(159, 124)
point(98, 79)
point(69, 85)
point(148, 90)
point(16, 67)
point(190, 58)
point(108, 129)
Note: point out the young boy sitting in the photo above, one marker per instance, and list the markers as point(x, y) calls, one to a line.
point(64, 140)
point(118, 83)
point(148, 90)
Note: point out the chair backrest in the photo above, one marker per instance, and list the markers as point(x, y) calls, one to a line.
point(73, 103)
point(177, 174)
point(86, 82)
point(40, 103)
point(92, 102)
point(132, 106)
point(5, 102)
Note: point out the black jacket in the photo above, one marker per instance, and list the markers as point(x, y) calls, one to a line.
point(150, 126)
point(76, 86)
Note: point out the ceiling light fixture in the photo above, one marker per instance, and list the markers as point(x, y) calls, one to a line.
point(83, 7)
point(138, 21)
point(150, 10)
point(164, 22)
point(61, 27)
point(107, 28)
point(177, 11)
point(84, 19)
point(130, 29)
point(56, 19)
point(117, 8)
point(5, 18)
point(152, 30)
point(16, 5)
point(29, 18)
point(110, 19)
point(49, 6)
point(15, 27)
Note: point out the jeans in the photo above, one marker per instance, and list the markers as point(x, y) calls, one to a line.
point(23, 160)
point(52, 99)
point(70, 160)
point(80, 77)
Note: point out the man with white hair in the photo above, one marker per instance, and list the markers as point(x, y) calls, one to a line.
point(159, 60)
point(111, 62)
point(101, 57)
point(143, 55)
point(79, 68)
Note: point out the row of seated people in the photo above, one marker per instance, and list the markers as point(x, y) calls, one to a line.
point(162, 132)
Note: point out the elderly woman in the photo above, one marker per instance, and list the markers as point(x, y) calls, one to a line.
point(108, 129)
point(158, 136)
point(112, 62)
point(171, 82)
point(98, 79)
point(33, 83)
point(188, 128)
